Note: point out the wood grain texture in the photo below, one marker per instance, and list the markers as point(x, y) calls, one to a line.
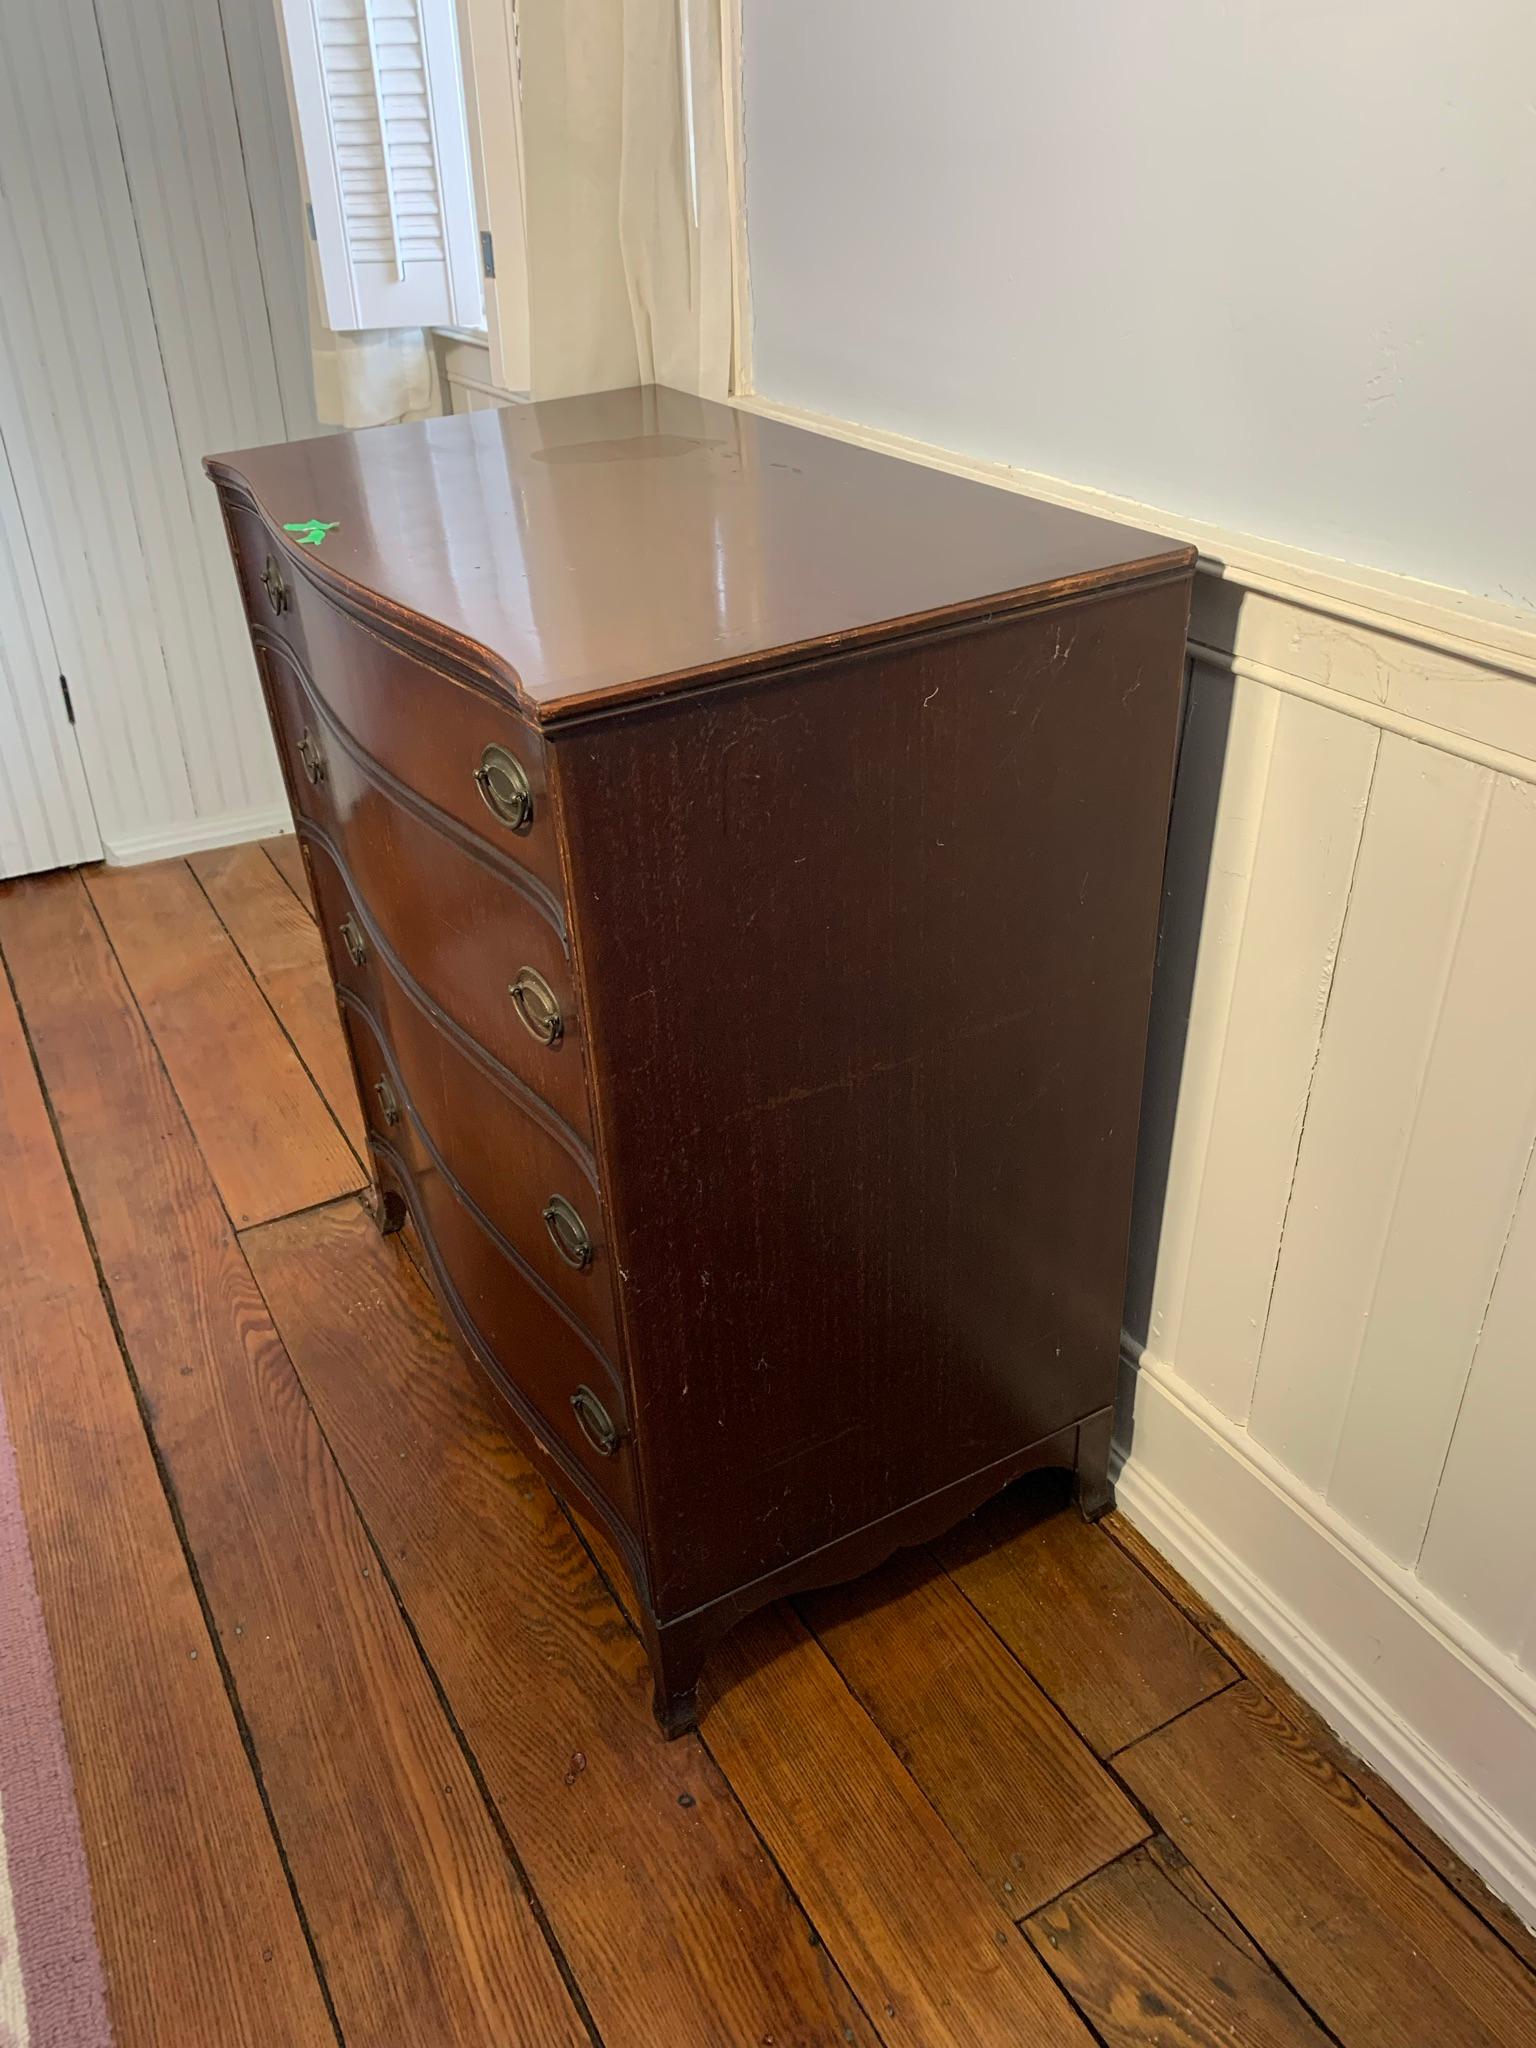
point(378, 1811)
point(277, 937)
point(182, 1861)
point(1384, 1797)
point(1150, 1970)
point(270, 1142)
point(1105, 1645)
point(606, 1557)
point(640, 537)
point(1180, 1872)
point(827, 846)
point(1378, 1946)
point(912, 689)
point(1025, 1798)
point(673, 1920)
point(911, 1924)
point(287, 857)
point(456, 931)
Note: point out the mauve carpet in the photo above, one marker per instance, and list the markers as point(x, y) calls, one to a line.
point(52, 1993)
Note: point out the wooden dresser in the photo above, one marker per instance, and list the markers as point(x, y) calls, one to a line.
point(739, 856)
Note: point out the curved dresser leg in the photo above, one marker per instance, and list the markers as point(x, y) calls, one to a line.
point(1090, 1482)
point(677, 1713)
point(677, 1653)
point(386, 1204)
point(387, 1210)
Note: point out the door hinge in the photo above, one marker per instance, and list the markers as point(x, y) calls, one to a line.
point(487, 253)
point(309, 215)
point(69, 708)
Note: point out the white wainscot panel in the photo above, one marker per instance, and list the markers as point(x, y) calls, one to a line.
point(1319, 774)
point(1473, 1123)
point(1224, 762)
point(1422, 832)
point(1480, 1550)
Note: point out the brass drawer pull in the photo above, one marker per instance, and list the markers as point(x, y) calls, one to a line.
point(276, 587)
point(503, 782)
point(596, 1422)
point(537, 1009)
point(352, 938)
point(311, 756)
point(567, 1232)
point(387, 1100)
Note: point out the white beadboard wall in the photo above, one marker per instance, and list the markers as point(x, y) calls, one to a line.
point(1328, 1420)
point(1331, 1332)
point(152, 311)
point(46, 820)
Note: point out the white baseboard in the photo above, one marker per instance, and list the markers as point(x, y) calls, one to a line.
point(197, 835)
point(1447, 1719)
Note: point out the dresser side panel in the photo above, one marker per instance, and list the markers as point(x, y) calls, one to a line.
point(866, 950)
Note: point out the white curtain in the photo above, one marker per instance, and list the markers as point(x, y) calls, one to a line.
point(674, 203)
point(372, 379)
point(369, 378)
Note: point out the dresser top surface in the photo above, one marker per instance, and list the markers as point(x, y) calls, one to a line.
point(586, 551)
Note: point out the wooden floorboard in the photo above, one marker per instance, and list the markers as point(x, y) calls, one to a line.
point(1151, 1970)
point(281, 945)
point(1381, 1950)
point(605, 1556)
point(888, 1888)
point(199, 1934)
point(944, 1691)
point(1387, 1800)
point(1112, 1651)
point(269, 1139)
point(441, 1694)
point(675, 1924)
point(287, 857)
point(1180, 1872)
point(421, 1925)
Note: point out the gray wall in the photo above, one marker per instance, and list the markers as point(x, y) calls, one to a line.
point(1265, 263)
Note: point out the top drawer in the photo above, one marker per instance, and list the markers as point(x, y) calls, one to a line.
point(468, 755)
point(267, 580)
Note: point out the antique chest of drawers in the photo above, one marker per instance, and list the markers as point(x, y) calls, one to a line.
point(739, 855)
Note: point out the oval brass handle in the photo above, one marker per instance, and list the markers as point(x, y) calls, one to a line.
point(567, 1232)
point(503, 781)
point(537, 1007)
point(276, 586)
point(311, 756)
point(352, 938)
point(387, 1100)
point(596, 1423)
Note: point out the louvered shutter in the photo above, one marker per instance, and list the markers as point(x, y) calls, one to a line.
point(379, 103)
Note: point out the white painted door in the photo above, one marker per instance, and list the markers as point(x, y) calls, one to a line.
point(151, 312)
point(46, 820)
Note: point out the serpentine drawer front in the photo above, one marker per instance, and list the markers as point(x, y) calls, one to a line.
point(739, 858)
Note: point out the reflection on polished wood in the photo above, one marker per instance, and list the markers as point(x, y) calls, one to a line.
point(642, 538)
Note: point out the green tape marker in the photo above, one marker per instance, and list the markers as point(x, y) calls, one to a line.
point(310, 532)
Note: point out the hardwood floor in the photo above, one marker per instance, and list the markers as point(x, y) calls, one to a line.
point(361, 1731)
